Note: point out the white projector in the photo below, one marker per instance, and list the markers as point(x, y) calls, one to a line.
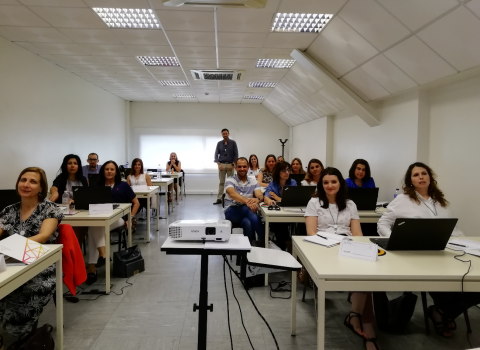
point(200, 230)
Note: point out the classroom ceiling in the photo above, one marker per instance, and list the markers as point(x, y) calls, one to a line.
point(375, 47)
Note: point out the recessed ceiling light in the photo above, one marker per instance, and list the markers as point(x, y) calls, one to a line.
point(300, 22)
point(262, 84)
point(128, 18)
point(254, 97)
point(174, 83)
point(184, 96)
point(274, 63)
point(159, 61)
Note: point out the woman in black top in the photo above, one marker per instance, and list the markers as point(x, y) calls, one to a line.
point(176, 165)
point(70, 174)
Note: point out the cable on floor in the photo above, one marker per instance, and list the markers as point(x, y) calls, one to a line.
point(111, 292)
point(228, 306)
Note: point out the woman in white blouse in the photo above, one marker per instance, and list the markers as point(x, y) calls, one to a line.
point(330, 210)
point(422, 198)
point(314, 169)
point(137, 177)
point(254, 167)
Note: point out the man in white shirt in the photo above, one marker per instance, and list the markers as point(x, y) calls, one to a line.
point(242, 196)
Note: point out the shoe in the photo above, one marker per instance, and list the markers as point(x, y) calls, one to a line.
point(218, 202)
point(372, 340)
point(101, 262)
point(91, 278)
point(441, 328)
point(347, 323)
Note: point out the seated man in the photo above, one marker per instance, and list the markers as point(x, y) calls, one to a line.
point(242, 196)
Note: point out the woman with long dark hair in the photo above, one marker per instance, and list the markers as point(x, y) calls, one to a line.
point(314, 170)
point(70, 174)
point(265, 175)
point(329, 210)
point(359, 175)
point(422, 198)
point(121, 193)
point(254, 167)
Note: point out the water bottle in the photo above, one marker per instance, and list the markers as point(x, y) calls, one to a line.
point(397, 192)
point(65, 198)
point(159, 172)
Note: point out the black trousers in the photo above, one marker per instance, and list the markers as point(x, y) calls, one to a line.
point(282, 235)
point(453, 304)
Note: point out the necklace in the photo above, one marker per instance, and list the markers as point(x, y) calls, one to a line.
point(335, 223)
point(434, 208)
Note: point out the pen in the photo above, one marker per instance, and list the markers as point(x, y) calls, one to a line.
point(322, 237)
point(459, 245)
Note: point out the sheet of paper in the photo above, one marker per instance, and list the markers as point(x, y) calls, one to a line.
point(23, 249)
point(141, 188)
point(294, 210)
point(358, 250)
point(321, 241)
point(333, 236)
point(100, 209)
point(475, 252)
point(3, 266)
point(459, 243)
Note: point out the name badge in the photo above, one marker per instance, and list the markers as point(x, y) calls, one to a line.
point(100, 209)
point(358, 250)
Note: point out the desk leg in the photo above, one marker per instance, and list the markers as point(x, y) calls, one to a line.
point(157, 198)
point(129, 233)
point(167, 209)
point(293, 316)
point(321, 315)
point(203, 306)
point(148, 219)
point(59, 299)
point(267, 234)
point(107, 253)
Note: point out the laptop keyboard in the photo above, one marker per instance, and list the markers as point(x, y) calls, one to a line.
point(381, 242)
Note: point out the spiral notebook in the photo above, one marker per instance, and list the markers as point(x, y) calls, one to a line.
point(327, 239)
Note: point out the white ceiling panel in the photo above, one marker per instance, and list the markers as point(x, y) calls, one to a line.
point(178, 38)
point(348, 41)
point(236, 52)
point(10, 36)
point(303, 80)
point(275, 53)
point(234, 63)
point(90, 36)
point(69, 17)
point(129, 4)
point(230, 20)
point(195, 51)
point(9, 2)
point(455, 38)
point(60, 3)
point(319, 101)
point(119, 61)
point(332, 99)
point(198, 63)
point(158, 4)
point(187, 21)
point(388, 75)
point(81, 60)
point(241, 39)
point(245, 101)
point(290, 40)
point(315, 106)
point(311, 6)
point(30, 47)
point(325, 53)
point(374, 23)
point(165, 70)
point(20, 16)
point(303, 111)
point(271, 104)
point(293, 89)
point(283, 97)
point(106, 49)
point(474, 5)
point(257, 73)
point(62, 49)
point(40, 35)
point(416, 13)
point(150, 50)
point(141, 36)
point(364, 85)
point(419, 61)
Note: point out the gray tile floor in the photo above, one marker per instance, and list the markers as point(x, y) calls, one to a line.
point(156, 312)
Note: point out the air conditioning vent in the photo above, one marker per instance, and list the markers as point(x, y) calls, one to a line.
point(218, 75)
point(259, 4)
point(175, 232)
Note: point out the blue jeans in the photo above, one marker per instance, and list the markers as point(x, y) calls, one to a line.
point(250, 222)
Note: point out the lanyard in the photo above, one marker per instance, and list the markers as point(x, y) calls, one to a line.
point(434, 208)
point(335, 224)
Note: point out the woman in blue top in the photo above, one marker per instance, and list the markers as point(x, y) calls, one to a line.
point(121, 193)
point(273, 194)
point(359, 175)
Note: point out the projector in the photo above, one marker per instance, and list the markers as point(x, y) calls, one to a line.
point(200, 230)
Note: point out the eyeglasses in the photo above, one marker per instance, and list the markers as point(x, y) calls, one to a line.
point(92, 160)
point(286, 170)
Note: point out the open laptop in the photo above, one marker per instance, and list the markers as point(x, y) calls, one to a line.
point(8, 197)
point(298, 178)
point(296, 196)
point(93, 179)
point(418, 234)
point(84, 196)
point(364, 198)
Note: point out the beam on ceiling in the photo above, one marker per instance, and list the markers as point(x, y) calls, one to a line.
point(366, 112)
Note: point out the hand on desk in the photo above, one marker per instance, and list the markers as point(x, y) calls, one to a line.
point(275, 197)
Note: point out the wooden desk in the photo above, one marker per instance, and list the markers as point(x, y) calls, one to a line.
point(149, 193)
point(417, 271)
point(16, 276)
point(163, 182)
point(83, 219)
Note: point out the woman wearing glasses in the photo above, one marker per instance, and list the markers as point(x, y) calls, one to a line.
point(314, 169)
point(280, 178)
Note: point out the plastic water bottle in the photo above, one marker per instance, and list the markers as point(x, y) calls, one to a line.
point(159, 171)
point(397, 192)
point(65, 198)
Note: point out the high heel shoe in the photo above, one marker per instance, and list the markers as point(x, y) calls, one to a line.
point(371, 340)
point(441, 328)
point(347, 323)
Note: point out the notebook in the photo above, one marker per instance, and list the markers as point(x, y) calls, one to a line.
point(327, 239)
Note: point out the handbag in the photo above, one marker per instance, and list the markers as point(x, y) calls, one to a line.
point(37, 339)
point(393, 315)
point(128, 262)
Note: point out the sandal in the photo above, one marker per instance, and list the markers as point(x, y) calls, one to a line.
point(372, 340)
point(302, 275)
point(441, 328)
point(349, 325)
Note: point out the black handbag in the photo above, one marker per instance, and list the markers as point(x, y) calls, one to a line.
point(393, 315)
point(37, 339)
point(128, 262)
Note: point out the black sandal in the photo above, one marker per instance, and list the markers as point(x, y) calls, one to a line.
point(441, 328)
point(349, 325)
point(371, 340)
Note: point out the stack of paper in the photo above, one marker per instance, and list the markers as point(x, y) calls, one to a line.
point(22, 248)
point(466, 245)
point(327, 239)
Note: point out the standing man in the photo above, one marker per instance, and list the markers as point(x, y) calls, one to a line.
point(226, 154)
point(92, 167)
point(243, 194)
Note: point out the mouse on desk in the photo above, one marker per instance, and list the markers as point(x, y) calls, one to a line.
point(273, 207)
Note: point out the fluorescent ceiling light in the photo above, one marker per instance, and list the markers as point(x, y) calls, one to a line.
point(184, 96)
point(300, 22)
point(159, 61)
point(274, 63)
point(262, 84)
point(254, 97)
point(174, 83)
point(128, 18)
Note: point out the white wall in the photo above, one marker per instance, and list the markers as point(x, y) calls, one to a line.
point(454, 148)
point(47, 113)
point(255, 129)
